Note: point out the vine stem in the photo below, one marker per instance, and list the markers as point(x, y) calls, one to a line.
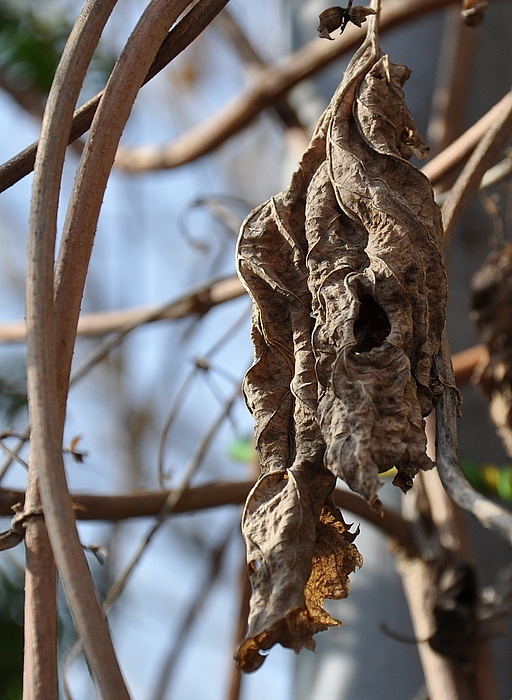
point(46, 471)
point(53, 304)
point(489, 514)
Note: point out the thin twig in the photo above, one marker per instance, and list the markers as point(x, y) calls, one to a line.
point(13, 456)
point(481, 160)
point(454, 154)
point(21, 441)
point(163, 476)
point(180, 638)
point(146, 504)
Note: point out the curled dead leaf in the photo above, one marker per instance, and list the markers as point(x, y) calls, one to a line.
point(299, 552)
point(348, 286)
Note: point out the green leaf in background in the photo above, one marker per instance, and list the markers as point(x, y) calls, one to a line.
point(32, 38)
point(489, 478)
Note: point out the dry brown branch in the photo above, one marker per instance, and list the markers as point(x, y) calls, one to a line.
point(45, 396)
point(454, 154)
point(452, 83)
point(198, 301)
point(269, 86)
point(481, 160)
point(176, 41)
point(283, 108)
point(144, 504)
point(40, 662)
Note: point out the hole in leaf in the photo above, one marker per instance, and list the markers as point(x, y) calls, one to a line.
point(371, 327)
point(254, 565)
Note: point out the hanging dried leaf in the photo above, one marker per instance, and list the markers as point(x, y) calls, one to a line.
point(349, 293)
point(299, 552)
point(492, 310)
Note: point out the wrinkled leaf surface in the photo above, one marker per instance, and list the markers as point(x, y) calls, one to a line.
point(349, 293)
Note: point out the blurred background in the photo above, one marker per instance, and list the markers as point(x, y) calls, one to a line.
point(165, 401)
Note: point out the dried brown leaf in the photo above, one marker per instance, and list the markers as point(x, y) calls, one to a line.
point(492, 311)
point(299, 552)
point(349, 293)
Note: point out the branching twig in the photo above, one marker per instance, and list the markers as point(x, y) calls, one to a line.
point(176, 41)
point(139, 505)
point(177, 403)
point(481, 160)
point(196, 301)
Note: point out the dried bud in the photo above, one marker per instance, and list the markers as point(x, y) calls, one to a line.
point(358, 14)
point(473, 12)
point(330, 19)
point(338, 17)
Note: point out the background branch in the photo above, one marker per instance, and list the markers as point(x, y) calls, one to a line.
point(145, 504)
point(268, 86)
point(481, 160)
point(176, 41)
point(197, 301)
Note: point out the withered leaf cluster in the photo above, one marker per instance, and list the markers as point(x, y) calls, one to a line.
point(349, 292)
point(492, 310)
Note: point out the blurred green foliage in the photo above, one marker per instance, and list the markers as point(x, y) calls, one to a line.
point(32, 37)
point(13, 387)
point(30, 46)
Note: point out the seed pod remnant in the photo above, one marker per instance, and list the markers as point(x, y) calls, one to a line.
point(349, 293)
